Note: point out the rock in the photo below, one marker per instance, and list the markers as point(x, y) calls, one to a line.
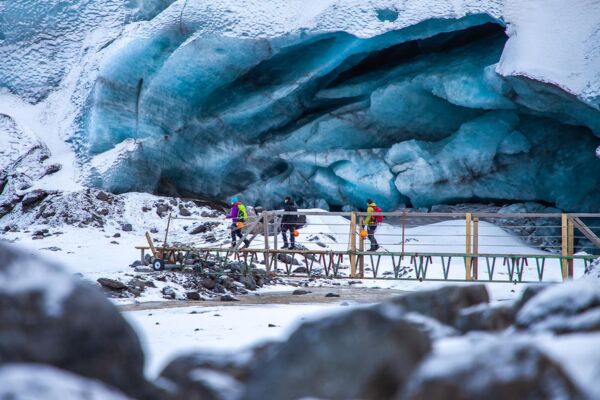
point(103, 211)
point(111, 284)
point(137, 284)
point(143, 269)
point(491, 371)
point(50, 317)
point(126, 228)
point(146, 209)
point(249, 282)
point(316, 362)
point(48, 212)
point(202, 228)
point(529, 292)
point(592, 271)
point(103, 196)
point(300, 292)
point(153, 230)
point(300, 270)
point(287, 259)
point(332, 295)
point(52, 169)
point(34, 197)
point(193, 296)
point(117, 235)
point(22, 381)
point(484, 317)
point(272, 326)
point(228, 297)
point(169, 292)
point(208, 283)
point(184, 212)
point(162, 209)
point(572, 306)
point(445, 303)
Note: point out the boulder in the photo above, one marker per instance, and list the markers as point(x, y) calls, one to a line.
point(103, 196)
point(484, 317)
point(112, 284)
point(300, 270)
point(364, 353)
point(530, 292)
point(49, 317)
point(193, 296)
point(228, 297)
point(184, 212)
point(23, 381)
point(208, 283)
point(572, 306)
point(491, 370)
point(300, 292)
point(249, 282)
point(126, 227)
point(33, 197)
point(443, 304)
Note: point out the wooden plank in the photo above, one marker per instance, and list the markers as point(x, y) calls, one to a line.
point(468, 246)
point(150, 243)
point(476, 247)
point(266, 235)
point(565, 246)
point(570, 245)
point(587, 232)
point(353, 245)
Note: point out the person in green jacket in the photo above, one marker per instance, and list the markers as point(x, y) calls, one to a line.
point(371, 222)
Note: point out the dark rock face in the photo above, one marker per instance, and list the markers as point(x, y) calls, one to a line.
point(573, 306)
point(485, 318)
point(365, 353)
point(492, 372)
point(443, 304)
point(33, 197)
point(60, 320)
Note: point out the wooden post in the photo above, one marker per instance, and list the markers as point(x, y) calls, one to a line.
point(361, 248)
point(276, 223)
point(565, 246)
point(468, 246)
point(167, 231)
point(570, 244)
point(476, 247)
point(353, 245)
point(266, 235)
point(151, 243)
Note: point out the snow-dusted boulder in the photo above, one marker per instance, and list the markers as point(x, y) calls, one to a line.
point(49, 317)
point(22, 381)
point(572, 306)
point(485, 317)
point(365, 353)
point(491, 369)
point(443, 304)
point(592, 271)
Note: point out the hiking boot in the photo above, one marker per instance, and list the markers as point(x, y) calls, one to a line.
point(284, 247)
point(374, 248)
point(292, 247)
point(233, 245)
point(246, 244)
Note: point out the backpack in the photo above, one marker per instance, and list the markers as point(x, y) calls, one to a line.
point(300, 221)
point(242, 214)
point(378, 218)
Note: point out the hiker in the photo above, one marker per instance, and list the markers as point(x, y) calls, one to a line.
point(371, 222)
point(237, 214)
point(289, 222)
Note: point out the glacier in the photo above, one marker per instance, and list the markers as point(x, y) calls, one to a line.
point(411, 103)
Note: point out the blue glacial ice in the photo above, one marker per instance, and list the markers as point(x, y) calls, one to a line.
point(410, 103)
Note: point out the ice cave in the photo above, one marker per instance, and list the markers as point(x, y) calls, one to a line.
point(414, 108)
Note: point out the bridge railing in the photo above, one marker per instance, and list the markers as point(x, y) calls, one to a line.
point(478, 246)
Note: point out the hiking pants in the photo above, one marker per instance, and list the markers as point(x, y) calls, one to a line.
point(235, 231)
point(284, 230)
point(371, 234)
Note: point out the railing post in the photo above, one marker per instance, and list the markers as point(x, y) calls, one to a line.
point(570, 244)
point(476, 247)
point(468, 246)
point(361, 248)
point(266, 235)
point(353, 245)
point(564, 265)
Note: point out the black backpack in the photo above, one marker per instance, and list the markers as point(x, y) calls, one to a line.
point(301, 221)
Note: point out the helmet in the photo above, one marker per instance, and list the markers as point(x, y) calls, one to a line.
point(234, 199)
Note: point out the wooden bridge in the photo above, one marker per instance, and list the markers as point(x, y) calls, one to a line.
point(488, 247)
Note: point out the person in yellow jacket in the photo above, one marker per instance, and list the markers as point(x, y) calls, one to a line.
point(372, 221)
